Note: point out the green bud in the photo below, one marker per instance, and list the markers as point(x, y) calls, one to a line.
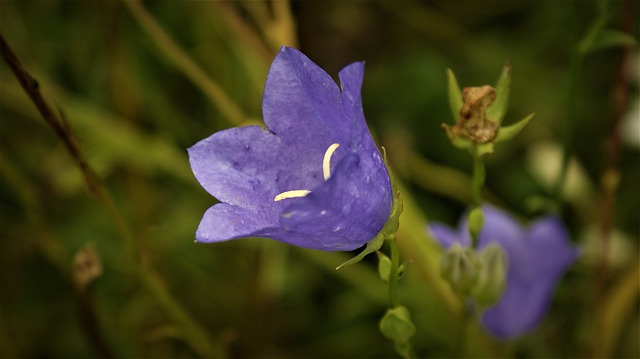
point(476, 221)
point(384, 266)
point(492, 276)
point(459, 267)
point(397, 326)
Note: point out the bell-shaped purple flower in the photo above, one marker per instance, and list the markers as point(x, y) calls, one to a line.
point(313, 178)
point(536, 259)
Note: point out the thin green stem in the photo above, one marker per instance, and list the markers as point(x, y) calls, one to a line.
point(479, 176)
point(475, 218)
point(466, 320)
point(393, 272)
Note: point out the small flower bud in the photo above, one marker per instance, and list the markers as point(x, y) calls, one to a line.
point(86, 267)
point(397, 326)
point(476, 221)
point(492, 275)
point(459, 267)
point(384, 266)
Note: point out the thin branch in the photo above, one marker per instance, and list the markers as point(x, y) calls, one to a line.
point(192, 332)
point(61, 129)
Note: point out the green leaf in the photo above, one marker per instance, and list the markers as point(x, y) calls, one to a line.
point(509, 132)
point(499, 107)
point(455, 95)
point(606, 39)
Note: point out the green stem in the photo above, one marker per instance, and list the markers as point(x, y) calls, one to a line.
point(466, 320)
point(477, 182)
point(479, 175)
point(393, 273)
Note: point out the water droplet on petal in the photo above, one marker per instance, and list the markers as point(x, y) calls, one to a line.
point(323, 212)
point(337, 228)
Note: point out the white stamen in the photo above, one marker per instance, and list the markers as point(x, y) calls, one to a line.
point(326, 162)
point(326, 172)
point(292, 194)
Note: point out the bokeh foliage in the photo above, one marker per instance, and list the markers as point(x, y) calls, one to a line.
point(135, 109)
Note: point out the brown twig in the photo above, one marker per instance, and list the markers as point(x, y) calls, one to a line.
point(611, 173)
point(195, 335)
point(58, 125)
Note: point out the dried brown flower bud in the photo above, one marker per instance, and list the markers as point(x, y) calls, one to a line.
point(473, 122)
point(86, 266)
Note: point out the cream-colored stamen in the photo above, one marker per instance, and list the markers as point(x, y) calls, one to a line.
point(326, 162)
point(292, 194)
point(326, 172)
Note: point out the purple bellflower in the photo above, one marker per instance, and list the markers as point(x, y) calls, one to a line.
point(313, 178)
point(536, 259)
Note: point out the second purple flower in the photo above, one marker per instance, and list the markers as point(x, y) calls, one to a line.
point(537, 258)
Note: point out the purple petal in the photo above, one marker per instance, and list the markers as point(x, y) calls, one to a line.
point(520, 309)
point(223, 222)
point(501, 228)
point(248, 166)
point(301, 104)
point(343, 213)
point(536, 261)
point(548, 240)
point(444, 234)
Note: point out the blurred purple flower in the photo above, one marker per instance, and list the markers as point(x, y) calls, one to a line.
point(313, 178)
point(536, 259)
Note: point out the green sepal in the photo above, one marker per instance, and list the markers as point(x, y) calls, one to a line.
point(455, 95)
point(372, 246)
point(393, 223)
point(397, 326)
point(459, 267)
point(390, 228)
point(384, 266)
point(498, 109)
point(482, 149)
point(508, 132)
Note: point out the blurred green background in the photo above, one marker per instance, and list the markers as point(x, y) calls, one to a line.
point(138, 83)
